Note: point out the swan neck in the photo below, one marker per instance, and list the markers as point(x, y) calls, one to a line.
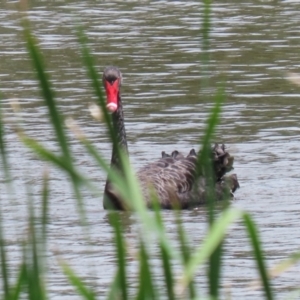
point(119, 129)
point(111, 200)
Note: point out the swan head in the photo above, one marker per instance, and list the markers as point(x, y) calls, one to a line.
point(112, 79)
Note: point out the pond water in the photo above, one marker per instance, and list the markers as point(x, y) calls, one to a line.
point(167, 99)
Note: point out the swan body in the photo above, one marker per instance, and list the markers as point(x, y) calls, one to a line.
point(172, 177)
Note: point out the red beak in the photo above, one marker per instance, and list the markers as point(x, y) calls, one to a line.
point(112, 94)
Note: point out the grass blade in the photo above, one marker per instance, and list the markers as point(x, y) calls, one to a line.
point(4, 267)
point(121, 253)
point(146, 287)
point(215, 235)
point(45, 206)
point(58, 161)
point(258, 254)
point(165, 257)
point(55, 117)
point(115, 177)
point(111, 126)
point(3, 152)
point(204, 168)
point(285, 264)
point(203, 160)
point(32, 262)
point(96, 84)
point(214, 271)
point(47, 155)
point(164, 253)
point(185, 251)
point(21, 281)
point(115, 290)
point(47, 93)
point(85, 292)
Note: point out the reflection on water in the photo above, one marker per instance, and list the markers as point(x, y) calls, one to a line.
point(157, 47)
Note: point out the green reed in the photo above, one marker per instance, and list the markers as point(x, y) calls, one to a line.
point(30, 279)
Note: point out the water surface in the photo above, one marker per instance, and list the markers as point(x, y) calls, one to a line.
point(167, 99)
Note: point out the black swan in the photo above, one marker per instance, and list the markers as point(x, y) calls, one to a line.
point(171, 176)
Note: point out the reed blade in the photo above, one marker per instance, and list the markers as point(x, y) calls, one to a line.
point(44, 213)
point(47, 93)
point(146, 288)
point(214, 271)
point(4, 264)
point(77, 282)
point(164, 253)
point(203, 160)
point(53, 112)
point(258, 254)
point(205, 168)
point(186, 253)
point(168, 273)
point(121, 253)
point(96, 85)
point(32, 258)
point(212, 240)
point(5, 163)
point(21, 282)
point(115, 289)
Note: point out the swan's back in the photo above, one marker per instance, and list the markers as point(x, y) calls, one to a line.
point(172, 178)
